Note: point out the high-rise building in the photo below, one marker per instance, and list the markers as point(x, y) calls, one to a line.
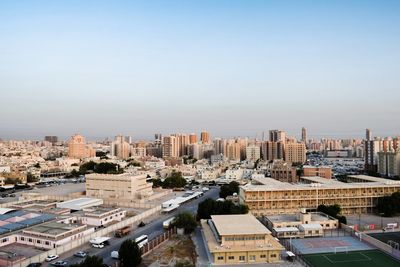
point(253, 153)
point(389, 163)
point(78, 149)
point(170, 148)
point(205, 137)
point(304, 135)
point(192, 138)
point(219, 146)
point(272, 150)
point(295, 153)
point(157, 136)
point(232, 150)
point(51, 138)
point(277, 136)
point(182, 143)
point(368, 135)
point(120, 148)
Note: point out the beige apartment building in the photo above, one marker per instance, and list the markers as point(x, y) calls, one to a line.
point(121, 186)
point(295, 153)
point(78, 149)
point(232, 151)
point(321, 171)
point(240, 239)
point(266, 196)
point(170, 148)
point(284, 172)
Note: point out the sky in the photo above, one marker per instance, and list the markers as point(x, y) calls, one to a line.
point(233, 68)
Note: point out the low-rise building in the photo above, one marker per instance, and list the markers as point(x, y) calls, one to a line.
point(121, 186)
point(240, 239)
point(284, 172)
point(269, 196)
point(292, 225)
point(102, 216)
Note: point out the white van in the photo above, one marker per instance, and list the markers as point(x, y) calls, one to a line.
point(115, 254)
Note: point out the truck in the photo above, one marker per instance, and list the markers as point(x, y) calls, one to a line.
point(123, 231)
point(167, 223)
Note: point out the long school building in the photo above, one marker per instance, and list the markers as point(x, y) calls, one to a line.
point(266, 196)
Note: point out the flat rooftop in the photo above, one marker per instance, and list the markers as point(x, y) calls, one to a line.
point(53, 228)
point(99, 210)
point(245, 224)
point(270, 184)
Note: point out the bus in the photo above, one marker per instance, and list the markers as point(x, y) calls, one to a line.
point(142, 240)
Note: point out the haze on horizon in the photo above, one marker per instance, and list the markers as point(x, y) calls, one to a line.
point(232, 68)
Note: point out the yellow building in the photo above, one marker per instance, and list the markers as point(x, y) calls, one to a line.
point(121, 186)
point(240, 239)
point(78, 149)
point(321, 171)
point(266, 196)
point(295, 152)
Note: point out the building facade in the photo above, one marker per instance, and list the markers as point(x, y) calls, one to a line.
point(240, 239)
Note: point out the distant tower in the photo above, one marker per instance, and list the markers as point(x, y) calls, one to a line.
point(205, 137)
point(304, 135)
point(368, 136)
point(192, 138)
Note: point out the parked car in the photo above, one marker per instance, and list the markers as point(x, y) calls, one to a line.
point(51, 258)
point(34, 264)
point(98, 245)
point(142, 224)
point(80, 254)
point(61, 263)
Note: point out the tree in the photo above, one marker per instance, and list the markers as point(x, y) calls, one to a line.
point(333, 211)
point(211, 207)
point(184, 263)
point(30, 178)
point(389, 205)
point(129, 254)
point(185, 220)
point(90, 261)
point(175, 180)
point(228, 190)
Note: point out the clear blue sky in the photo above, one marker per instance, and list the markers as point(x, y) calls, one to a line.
point(231, 67)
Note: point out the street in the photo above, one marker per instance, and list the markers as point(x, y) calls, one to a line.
point(152, 228)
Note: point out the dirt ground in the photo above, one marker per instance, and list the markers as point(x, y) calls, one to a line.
point(167, 254)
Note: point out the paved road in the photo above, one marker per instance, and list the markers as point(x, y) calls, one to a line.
point(152, 229)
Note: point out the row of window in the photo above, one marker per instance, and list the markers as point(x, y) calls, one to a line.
point(30, 240)
point(243, 258)
point(242, 238)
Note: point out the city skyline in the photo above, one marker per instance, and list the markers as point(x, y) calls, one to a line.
point(232, 68)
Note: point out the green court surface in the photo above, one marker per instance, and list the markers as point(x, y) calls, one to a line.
point(365, 258)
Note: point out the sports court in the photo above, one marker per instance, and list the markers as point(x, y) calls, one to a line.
point(370, 258)
point(328, 245)
point(387, 237)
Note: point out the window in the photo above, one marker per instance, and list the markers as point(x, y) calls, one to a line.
point(38, 241)
point(242, 258)
point(30, 240)
point(22, 239)
point(273, 255)
point(231, 257)
point(263, 256)
point(47, 243)
point(309, 232)
point(252, 257)
point(220, 258)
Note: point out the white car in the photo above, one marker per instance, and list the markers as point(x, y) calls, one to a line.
point(51, 258)
point(205, 189)
point(98, 245)
point(115, 255)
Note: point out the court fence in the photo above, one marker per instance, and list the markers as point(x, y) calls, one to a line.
point(363, 237)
